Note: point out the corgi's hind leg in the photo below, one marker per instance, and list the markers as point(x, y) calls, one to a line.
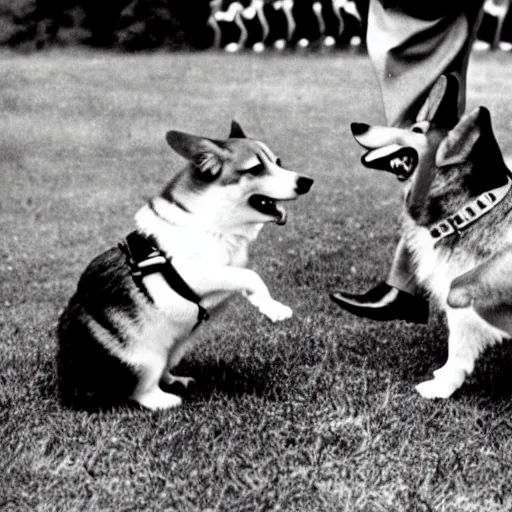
point(148, 392)
point(468, 336)
point(175, 356)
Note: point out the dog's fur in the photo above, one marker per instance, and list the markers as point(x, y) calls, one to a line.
point(465, 161)
point(117, 343)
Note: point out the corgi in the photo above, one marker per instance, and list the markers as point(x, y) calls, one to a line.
point(137, 306)
point(457, 217)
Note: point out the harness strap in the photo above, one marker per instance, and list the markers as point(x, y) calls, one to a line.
point(470, 213)
point(144, 258)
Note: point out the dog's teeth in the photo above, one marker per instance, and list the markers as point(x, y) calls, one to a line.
point(402, 164)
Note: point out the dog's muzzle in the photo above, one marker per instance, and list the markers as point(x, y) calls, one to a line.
point(268, 206)
point(273, 207)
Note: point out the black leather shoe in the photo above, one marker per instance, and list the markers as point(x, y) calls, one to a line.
point(384, 302)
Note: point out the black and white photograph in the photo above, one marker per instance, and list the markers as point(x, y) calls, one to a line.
point(256, 255)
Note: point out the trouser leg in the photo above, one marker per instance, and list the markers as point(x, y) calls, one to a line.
point(440, 46)
point(401, 274)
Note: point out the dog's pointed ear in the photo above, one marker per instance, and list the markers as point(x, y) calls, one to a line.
point(206, 155)
point(456, 147)
point(236, 131)
point(441, 106)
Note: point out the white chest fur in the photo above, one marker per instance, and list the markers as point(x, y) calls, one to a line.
point(435, 267)
point(200, 254)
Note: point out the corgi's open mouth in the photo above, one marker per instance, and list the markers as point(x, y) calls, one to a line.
point(268, 206)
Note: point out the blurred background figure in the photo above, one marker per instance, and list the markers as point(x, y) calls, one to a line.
point(310, 23)
point(256, 24)
point(355, 22)
point(225, 24)
point(281, 22)
point(232, 29)
point(495, 30)
point(345, 22)
point(213, 25)
point(334, 23)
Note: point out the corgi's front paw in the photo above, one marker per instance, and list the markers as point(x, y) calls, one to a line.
point(271, 308)
point(441, 386)
point(277, 312)
point(157, 399)
point(434, 389)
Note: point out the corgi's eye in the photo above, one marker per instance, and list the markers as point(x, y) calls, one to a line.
point(256, 170)
point(278, 162)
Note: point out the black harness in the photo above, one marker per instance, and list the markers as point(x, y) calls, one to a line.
point(144, 258)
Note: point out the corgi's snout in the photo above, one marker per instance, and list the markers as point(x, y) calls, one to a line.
point(303, 185)
point(359, 128)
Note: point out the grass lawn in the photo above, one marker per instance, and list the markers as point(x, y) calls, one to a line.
point(318, 413)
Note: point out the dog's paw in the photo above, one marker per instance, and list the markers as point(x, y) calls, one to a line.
point(436, 388)
point(280, 312)
point(269, 307)
point(446, 381)
point(157, 399)
point(276, 311)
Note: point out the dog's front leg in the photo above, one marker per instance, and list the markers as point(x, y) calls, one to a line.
point(247, 282)
point(268, 306)
point(467, 338)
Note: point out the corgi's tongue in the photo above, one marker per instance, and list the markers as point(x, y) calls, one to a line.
point(270, 207)
point(281, 215)
point(398, 160)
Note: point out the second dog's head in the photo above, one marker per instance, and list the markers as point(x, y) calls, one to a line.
point(443, 159)
point(234, 181)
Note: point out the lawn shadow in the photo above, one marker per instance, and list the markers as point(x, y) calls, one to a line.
point(410, 352)
point(231, 378)
point(422, 350)
point(234, 377)
point(418, 351)
point(428, 346)
point(492, 378)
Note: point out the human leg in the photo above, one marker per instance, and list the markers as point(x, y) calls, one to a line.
point(409, 54)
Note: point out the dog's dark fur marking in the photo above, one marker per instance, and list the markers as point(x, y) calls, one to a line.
point(82, 356)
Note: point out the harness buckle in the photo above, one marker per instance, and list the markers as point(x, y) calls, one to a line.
point(153, 260)
point(144, 259)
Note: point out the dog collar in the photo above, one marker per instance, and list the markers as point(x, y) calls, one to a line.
point(470, 213)
point(144, 258)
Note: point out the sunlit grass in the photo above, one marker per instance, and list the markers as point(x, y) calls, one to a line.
point(317, 413)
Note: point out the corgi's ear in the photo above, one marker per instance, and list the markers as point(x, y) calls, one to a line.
point(473, 141)
point(456, 147)
point(206, 155)
point(236, 131)
point(441, 106)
